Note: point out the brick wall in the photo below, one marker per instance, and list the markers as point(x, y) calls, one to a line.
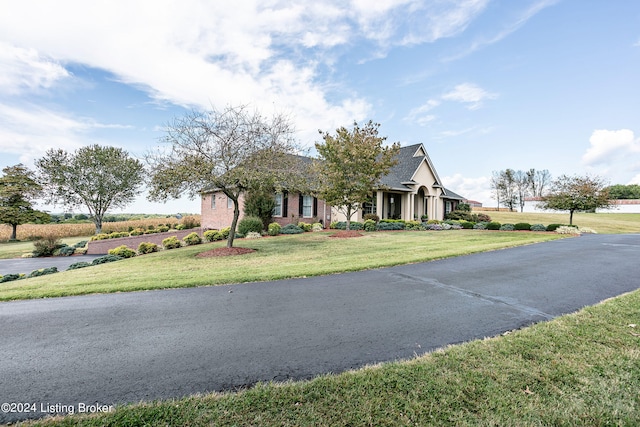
point(222, 216)
point(99, 247)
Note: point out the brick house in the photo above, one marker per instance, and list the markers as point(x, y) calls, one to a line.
point(411, 190)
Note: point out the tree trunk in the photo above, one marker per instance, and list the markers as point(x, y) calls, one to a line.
point(571, 217)
point(14, 232)
point(236, 215)
point(349, 218)
point(98, 222)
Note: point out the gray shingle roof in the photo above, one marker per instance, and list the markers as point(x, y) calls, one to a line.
point(451, 195)
point(405, 168)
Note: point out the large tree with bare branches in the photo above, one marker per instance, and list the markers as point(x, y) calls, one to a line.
point(232, 150)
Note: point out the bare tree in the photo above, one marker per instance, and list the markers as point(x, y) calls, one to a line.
point(496, 187)
point(522, 187)
point(231, 150)
point(539, 180)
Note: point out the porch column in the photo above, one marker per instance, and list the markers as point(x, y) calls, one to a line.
point(411, 206)
point(380, 204)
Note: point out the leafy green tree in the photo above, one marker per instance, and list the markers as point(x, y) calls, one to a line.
point(260, 203)
point(18, 190)
point(577, 193)
point(351, 164)
point(98, 178)
point(233, 150)
point(618, 191)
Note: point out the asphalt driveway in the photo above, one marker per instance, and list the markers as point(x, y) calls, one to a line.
point(27, 265)
point(121, 348)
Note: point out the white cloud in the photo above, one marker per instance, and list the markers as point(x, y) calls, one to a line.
point(196, 53)
point(470, 94)
point(610, 145)
point(25, 70)
point(509, 28)
point(472, 188)
point(31, 130)
point(419, 115)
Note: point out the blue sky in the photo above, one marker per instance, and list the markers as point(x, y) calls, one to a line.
point(485, 85)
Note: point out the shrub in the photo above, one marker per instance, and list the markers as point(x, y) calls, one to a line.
point(507, 227)
point(538, 227)
point(192, 239)
point(522, 226)
point(304, 226)
point(493, 226)
point(80, 244)
point(553, 227)
point(413, 225)
point(100, 236)
point(253, 235)
point(181, 227)
point(333, 225)
point(77, 265)
point(454, 226)
point(190, 222)
point(225, 232)
point(260, 204)
point(373, 217)
point(291, 229)
point(480, 226)
point(43, 272)
point(434, 221)
point(386, 226)
point(317, 226)
point(467, 225)
point(434, 227)
point(459, 215)
point(117, 234)
point(212, 235)
point(137, 232)
point(171, 243)
point(123, 251)
point(483, 217)
point(46, 246)
point(250, 223)
point(163, 228)
point(147, 248)
point(369, 225)
point(66, 250)
point(274, 229)
point(9, 278)
point(105, 259)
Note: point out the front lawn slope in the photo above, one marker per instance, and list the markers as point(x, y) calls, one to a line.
point(281, 257)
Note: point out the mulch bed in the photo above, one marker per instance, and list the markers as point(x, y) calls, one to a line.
point(346, 234)
point(224, 252)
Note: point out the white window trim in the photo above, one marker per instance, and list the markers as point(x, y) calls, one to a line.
point(306, 198)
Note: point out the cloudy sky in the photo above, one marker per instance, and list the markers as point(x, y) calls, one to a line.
point(485, 85)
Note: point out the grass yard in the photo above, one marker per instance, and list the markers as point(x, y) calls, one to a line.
point(579, 369)
point(601, 222)
point(17, 249)
point(308, 254)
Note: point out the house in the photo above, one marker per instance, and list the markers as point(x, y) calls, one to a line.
point(411, 190)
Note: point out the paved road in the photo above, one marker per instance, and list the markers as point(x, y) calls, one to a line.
point(137, 346)
point(27, 265)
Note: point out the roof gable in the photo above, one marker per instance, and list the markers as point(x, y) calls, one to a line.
point(410, 159)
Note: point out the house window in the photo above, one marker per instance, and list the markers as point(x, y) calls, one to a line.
point(213, 201)
point(229, 203)
point(277, 210)
point(369, 207)
point(307, 206)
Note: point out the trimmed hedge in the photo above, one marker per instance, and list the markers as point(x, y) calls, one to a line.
point(147, 248)
point(522, 226)
point(192, 239)
point(538, 227)
point(171, 243)
point(386, 226)
point(123, 251)
point(494, 225)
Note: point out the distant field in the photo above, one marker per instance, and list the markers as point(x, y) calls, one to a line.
point(601, 222)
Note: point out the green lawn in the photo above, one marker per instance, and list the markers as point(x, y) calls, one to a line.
point(281, 257)
point(601, 222)
point(17, 249)
point(581, 369)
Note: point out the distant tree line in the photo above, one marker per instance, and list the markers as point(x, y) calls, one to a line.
point(624, 192)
